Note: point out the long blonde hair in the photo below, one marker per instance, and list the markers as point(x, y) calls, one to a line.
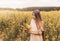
point(38, 18)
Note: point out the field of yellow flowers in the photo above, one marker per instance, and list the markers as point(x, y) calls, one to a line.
point(13, 25)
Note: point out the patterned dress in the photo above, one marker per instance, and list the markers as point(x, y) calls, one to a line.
point(34, 37)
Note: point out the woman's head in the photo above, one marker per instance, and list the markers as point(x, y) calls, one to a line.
point(36, 15)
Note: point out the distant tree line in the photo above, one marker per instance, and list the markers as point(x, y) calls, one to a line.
point(40, 8)
point(33, 8)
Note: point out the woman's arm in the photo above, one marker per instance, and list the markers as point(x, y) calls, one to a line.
point(43, 30)
point(34, 32)
point(42, 26)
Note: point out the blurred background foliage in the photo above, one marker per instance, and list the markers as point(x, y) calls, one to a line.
point(12, 25)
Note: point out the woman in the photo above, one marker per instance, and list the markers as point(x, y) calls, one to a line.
point(37, 27)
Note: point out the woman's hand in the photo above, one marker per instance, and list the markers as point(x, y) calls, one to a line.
point(26, 31)
point(40, 32)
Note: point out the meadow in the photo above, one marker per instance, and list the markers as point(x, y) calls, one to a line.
point(12, 25)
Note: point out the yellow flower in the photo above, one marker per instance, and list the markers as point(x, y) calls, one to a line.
point(28, 27)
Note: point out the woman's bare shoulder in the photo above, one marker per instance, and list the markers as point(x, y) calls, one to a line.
point(31, 20)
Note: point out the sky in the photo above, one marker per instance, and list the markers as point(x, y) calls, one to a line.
point(28, 3)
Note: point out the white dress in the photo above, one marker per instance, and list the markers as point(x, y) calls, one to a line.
point(34, 28)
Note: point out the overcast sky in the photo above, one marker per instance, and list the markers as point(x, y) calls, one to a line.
point(28, 3)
